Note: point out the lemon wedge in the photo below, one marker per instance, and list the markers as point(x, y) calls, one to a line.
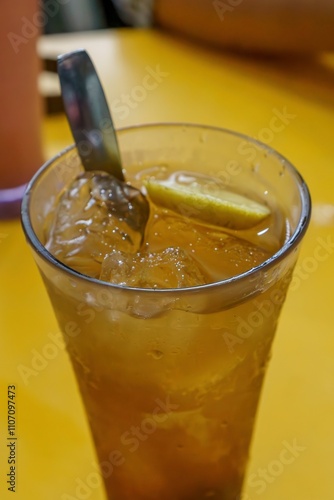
point(219, 208)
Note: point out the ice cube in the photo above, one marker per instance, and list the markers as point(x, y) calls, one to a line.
point(222, 255)
point(96, 214)
point(169, 268)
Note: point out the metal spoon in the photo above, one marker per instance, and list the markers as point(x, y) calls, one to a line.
point(95, 137)
point(88, 114)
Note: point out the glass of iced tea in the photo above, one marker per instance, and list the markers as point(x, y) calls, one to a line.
point(169, 333)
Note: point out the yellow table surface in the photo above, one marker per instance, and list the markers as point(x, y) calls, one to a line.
point(194, 84)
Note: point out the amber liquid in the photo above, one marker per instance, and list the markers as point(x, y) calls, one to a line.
point(171, 391)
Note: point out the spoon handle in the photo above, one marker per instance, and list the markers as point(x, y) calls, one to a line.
point(88, 114)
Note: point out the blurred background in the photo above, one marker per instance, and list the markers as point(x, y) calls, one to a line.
point(83, 15)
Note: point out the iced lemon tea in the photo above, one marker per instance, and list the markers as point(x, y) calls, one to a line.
point(169, 330)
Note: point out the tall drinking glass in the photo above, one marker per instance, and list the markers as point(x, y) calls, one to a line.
point(171, 378)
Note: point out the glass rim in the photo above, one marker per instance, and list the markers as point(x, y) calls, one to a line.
point(282, 252)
